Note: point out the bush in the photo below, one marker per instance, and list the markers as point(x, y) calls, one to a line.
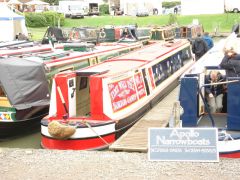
point(44, 19)
point(35, 20)
point(104, 9)
point(53, 17)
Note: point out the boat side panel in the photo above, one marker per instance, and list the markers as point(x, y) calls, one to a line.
point(188, 99)
point(96, 94)
point(233, 106)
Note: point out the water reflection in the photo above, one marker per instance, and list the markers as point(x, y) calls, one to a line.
point(28, 141)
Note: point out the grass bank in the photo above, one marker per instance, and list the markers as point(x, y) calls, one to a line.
point(223, 22)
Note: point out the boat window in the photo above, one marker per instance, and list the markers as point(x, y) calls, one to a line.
point(92, 61)
point(83, 83)
point(66, 69)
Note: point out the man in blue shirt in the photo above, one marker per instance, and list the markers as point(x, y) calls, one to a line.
point(208, 40)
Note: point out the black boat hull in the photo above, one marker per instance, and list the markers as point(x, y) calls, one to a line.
point(28, 122)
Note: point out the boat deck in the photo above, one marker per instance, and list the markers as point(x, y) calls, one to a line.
point(136, 138)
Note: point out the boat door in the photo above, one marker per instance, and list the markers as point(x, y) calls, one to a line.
point(73, 96)
point(82, 96)
point(63, 96)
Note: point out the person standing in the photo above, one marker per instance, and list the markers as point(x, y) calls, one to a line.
point(175, 10)
point(231, 63)
point(199, 47)
point(208, 40)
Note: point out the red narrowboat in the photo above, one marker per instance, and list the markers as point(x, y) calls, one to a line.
point(90, 108)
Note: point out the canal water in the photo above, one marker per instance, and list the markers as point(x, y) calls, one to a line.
point(34, 140)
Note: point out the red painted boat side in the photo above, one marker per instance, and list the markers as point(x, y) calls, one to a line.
point(33, 49)
point(230, 155)
point(77, 144)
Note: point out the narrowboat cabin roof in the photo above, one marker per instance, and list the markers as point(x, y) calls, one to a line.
point(114, 67)
point(130, 61)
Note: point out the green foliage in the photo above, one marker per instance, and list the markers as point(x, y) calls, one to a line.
point(52, 2)
point(172, 19)
point(53, 17)
point(35, 20)
point(104, 9)
point(44, 19)
point(170, 4)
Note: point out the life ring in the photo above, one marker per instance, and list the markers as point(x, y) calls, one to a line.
point(102, 34)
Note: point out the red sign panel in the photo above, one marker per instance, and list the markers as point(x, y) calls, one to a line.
point(151, 77)
point(123, 93)
point(140, 85)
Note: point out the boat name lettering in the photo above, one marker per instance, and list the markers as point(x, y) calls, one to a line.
point(122, 84)
point(132, 98)
point(124, 102)
point(130, 84)
point(189, 134)
point(114, 92)
point(119, 104)
point(161, 140)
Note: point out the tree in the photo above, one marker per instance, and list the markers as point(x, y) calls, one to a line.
point(52, 2)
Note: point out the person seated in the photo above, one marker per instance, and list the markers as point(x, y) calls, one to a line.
point(231, 63)
point(22, 37)
point(215, 92)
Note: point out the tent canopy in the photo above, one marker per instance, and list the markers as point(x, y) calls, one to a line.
point(11, 24)
point(7, 14)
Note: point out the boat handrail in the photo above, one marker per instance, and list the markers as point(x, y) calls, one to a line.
point(219, 83)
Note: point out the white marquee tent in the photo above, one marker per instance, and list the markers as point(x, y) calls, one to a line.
point(193, 7)
point(11, 24)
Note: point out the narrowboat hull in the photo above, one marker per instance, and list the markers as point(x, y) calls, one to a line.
point(229, 149)
point(85, 138)
point(26, 121)
point(12, 128)
point(79, 140)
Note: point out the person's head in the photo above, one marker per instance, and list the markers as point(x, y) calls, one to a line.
point(214, 75)
point(230, 52)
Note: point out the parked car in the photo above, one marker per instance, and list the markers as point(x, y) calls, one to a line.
point(142, 12)
point(232, 6)
point(74, 14)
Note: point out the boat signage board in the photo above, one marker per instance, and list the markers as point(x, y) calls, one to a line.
point(183, 144)
point(123, 93)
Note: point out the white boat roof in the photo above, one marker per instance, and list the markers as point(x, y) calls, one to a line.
point(214, 56)
point(134, 59)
